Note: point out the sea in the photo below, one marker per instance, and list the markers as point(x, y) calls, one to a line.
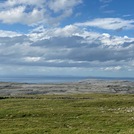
point(56, 79)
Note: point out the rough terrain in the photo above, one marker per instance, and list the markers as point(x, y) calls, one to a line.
point(86, 86)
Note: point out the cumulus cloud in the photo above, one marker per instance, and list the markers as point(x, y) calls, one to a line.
point(18, 15)
point(68, 47)
point(108, 23)
point(72, 46)
point(61, 5)
point(33, 12)
point(29, 2)
point(4, 33)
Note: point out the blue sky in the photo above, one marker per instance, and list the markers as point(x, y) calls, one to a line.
point(67, 37)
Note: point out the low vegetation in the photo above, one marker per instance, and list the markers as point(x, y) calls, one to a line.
point(67, 114)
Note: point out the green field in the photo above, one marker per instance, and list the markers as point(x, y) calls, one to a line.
point(67, 114)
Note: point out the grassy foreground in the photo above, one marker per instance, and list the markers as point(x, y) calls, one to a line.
point(68, 114)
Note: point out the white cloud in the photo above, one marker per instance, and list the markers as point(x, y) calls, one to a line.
point(4, 33)
point(89, 37)
point(108, 23)
point(116, 68)
point(68, 30)
point(67, 47)
point(40, 33)
point(60, 5)
point(32, 59)
point(12, 15)
point(71, 46)
point(18, 15)
point(117, 41)
point(12, 3)
point(33, 12)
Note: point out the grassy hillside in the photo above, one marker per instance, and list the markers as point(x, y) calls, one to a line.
point(67, 114)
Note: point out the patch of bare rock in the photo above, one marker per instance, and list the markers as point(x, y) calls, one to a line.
point(86, 86)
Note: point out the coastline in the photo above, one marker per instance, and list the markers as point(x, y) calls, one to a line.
point(58, 79)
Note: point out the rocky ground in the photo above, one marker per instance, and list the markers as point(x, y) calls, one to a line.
point(86, 86)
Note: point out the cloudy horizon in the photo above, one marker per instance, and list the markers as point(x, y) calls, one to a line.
point(68, 37)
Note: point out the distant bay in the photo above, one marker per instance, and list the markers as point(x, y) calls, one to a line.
point(55, 79)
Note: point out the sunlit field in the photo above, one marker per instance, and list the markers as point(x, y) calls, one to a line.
point(67, 114)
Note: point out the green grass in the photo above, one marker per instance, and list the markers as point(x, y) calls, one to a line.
point(68, 114)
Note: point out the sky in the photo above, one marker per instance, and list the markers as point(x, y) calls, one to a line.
point(67, 37)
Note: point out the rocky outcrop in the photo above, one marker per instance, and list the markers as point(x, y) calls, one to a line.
point(86, 86)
